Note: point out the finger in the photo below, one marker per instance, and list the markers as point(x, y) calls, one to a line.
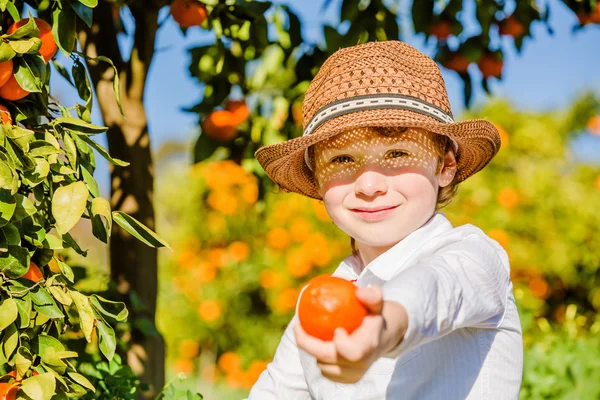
point(323, 351)
point(362, 343)
point(341, 374)
point(372, 298)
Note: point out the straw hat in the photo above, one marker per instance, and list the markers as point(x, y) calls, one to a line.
point(384, 84)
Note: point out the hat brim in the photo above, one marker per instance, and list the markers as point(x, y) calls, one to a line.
point(478, 142)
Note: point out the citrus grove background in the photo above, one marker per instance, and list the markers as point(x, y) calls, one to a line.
point(208, 314)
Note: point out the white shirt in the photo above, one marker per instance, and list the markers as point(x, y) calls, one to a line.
point(464, 337)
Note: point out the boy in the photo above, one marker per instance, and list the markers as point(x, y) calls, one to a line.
point(382, 151)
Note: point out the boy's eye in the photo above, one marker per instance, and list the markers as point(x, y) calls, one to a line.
point(396, 154)
point(341, 159)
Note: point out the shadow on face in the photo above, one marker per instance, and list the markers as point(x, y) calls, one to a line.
point(343, 159)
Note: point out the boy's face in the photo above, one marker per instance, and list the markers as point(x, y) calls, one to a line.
point(378, 189)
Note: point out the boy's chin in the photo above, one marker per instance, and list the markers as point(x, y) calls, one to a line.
point(387, 241)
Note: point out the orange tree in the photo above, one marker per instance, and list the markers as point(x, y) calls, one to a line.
point(240, 262)
point(255, 73)
point(47, 163)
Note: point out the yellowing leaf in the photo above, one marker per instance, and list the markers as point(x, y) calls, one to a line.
point(86, 313)
point(8, 313)
point(40, 387)
point(68, 204)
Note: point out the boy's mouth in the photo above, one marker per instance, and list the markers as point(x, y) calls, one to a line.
point(374, 213)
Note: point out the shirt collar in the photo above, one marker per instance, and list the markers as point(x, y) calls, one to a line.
point(392, 261)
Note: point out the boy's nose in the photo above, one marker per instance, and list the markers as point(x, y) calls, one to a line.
point(370, 183)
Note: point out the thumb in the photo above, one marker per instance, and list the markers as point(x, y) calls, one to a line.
point(371, 297)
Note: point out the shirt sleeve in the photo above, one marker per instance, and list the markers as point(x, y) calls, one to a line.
point(284, 376)
point(463, 285)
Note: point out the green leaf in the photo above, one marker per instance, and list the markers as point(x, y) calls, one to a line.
point(15, 262)
point(6, 52)
point(12, 235)
point(89, 3)
point(138, 230)
point(89, 180)
point(30, 72)
point(62, 71)
point(83, 85)
point(71, 150)
point(40, 148)
point(65, 269)
point(204, 148)
point(52, 242)
point(8, 313)
point(21, 136)
point(23, 361)
point(24, 307)
point(114, 309)
point(29, 29)
point(83, 11)
point(77, 125)
point(69, 242)
point(63, 29)
point(86, 313)
point(8, 205)
point(39, 174)
point(82, 380)
point(44, 303)
point(26, 46)
point(103, 152)
point(116, 84)
point(10, 341)
point(60, 295)
point(108, 342)
point(101, 218)
point(25, 207)
point(40, 387)
point(12, 10)
point(8, 178)
point(68, 205)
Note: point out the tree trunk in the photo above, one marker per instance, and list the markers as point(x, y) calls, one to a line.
point(133, 264)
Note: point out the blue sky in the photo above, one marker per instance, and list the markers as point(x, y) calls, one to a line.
point(548, 74)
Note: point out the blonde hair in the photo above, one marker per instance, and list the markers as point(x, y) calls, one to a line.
point(442, 145)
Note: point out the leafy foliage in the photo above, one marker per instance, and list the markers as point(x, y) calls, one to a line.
point(47, 164)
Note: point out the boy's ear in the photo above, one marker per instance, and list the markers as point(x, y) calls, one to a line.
point(448, 170)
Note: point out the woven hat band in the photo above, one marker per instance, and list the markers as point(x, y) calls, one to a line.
point(374, 102)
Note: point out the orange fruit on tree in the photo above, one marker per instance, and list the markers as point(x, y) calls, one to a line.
point(184, 366)
point(441, 29)
point(6, 71)
point(220, 125)
point(489, 65)
point(239, 251)
point(188, 12)
point(229, 362)
point(511, 27)
point(508, 198)
point(5, 117)
point(8, 391)
point(209, 310)
point(286, 300)
point(239, 109)
point(329, 303)
point(33, 273)
point(593, 125)
point(457, 62)
point(49, 47)
point(12, 91)
point(189, 348)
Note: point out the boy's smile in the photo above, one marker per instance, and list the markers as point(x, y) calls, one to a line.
point(379, 185)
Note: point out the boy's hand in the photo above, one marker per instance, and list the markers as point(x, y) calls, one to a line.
point(346, 358)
